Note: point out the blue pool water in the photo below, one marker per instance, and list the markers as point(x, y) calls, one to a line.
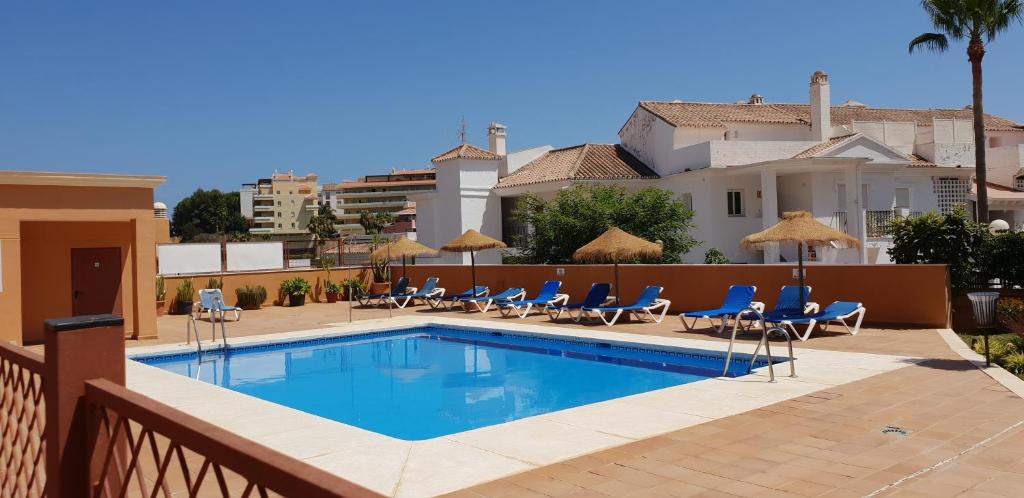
point(427, 382)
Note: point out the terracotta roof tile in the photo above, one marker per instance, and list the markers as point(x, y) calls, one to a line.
point(822, 147)
point(466, 151)
point(581, 162)
point(699, 114)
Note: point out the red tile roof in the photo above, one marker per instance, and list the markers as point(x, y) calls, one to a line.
point(466, 151)
point(699, 114)
point(822, 147)
point(581, 162)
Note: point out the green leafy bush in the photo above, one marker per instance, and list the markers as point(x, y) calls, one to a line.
point(1010, 313)
point(576, 216)
point(297, 286)
point(715, 257)
point(355, 284)
point(951, 239)
point(215, 283)
point(250, 298)
point(161, 289)
point(332, 287)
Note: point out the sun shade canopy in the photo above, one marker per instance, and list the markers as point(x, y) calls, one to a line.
point(616, 245)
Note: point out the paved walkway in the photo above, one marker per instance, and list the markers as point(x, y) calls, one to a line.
point(962, 435)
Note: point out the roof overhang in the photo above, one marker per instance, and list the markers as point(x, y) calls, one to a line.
point(79, 179)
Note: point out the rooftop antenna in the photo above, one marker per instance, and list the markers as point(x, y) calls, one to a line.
point(462, 131)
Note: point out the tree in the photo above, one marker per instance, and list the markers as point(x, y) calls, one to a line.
point(208, 211)
point(374, 223)
point(977, 21)
point(322, 224)
point(579, 215)
point(951, 239)
point(715, 257)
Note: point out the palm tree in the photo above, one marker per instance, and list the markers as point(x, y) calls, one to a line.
point(978, 21)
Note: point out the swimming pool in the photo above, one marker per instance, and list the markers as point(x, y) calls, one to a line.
point(424, 382)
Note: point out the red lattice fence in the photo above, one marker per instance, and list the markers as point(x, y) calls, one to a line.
point(22, 423)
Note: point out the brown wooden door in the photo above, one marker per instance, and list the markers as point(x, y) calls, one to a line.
point(96, 281)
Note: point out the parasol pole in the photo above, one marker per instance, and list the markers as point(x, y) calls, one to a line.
point(617, 290)
point(390, 289)
point(800, 270)
point(472, 265)
point(403, 266)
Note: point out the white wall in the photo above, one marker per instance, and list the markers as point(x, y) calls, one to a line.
point(176, 259)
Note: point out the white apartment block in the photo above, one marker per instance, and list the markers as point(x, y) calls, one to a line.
point(280, 205)
point(741, 165)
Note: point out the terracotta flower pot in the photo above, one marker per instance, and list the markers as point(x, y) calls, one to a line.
point(332, 297)
point(379, 287)
point(161, 308)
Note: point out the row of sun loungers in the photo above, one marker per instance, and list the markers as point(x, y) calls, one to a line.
point(739, 305)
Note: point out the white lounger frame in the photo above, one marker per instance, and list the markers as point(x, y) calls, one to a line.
point(647, 314)
point(410, 298)
point(437, 301)
point(860, 312)
point(522, 312)
point(758, 305)
point(491, 300)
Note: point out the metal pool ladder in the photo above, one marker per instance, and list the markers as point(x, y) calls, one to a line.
point(192, 327)
point(765, 334)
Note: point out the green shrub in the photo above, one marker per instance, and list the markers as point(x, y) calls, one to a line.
point(1014, 362)
point(951, 239)
point(297, 286)
point(715, 257)
point(185, 292)
point(161, 289)
point(215, 283)
point(250, 297)
point(355, 284)
point(332, 287)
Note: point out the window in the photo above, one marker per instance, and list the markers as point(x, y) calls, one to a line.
point(293, 225)
point(687, 200)
point(950, 192)
point(1019, 182)
point(735, 201)
point(902, 198)
point(278, 225)
point(278, 214)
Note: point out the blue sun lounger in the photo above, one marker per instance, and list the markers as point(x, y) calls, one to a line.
point(838, 311)
point(429, 290)
point(645, 307)
point(738, 298)
point(508, 295)
point(595, 298)
point(452, 300)
point(548, 296)
point(398, 289)
point(788, 304)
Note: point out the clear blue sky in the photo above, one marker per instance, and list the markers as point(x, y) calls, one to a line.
point(213, 94)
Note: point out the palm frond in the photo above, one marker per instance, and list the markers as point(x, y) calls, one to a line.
point(934, 42)
point(997, 16)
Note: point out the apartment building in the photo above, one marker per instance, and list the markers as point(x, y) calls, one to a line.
point(280, 205)
point(740, 165)
point(378, 194)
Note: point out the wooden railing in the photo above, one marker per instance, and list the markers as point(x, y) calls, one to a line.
point(84, 434)
point(22, 423)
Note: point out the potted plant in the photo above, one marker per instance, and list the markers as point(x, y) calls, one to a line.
point(296, 290)
point(161, 297)
point(381, 276)
point(184, 297)
point(251, 298)
point(1010, 314)
point(215, 283)
point(352, 283)
point(333, 291)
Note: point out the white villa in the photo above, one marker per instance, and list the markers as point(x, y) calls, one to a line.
point(741, 165)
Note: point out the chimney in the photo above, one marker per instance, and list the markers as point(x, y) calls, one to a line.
point(756, 99)
point(496, 135)
point(160, 210)
point(821, 108)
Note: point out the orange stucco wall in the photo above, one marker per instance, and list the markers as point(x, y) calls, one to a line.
point(39, 225)
point(912, 295)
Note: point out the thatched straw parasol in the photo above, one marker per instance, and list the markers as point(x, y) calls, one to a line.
point(470, 242)
point(802, 228)
point(401, 248)
point(615, 245)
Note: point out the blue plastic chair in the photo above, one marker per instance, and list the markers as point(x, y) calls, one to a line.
point(548, 296)
point(213, 299)
point(838, 311)
point(739, 298)
point(597, 295)
point(644, 307)
point(788, 304)
point(397, 290)
point(429, 290)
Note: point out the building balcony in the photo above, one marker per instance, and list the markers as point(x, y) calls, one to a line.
point(388, 193)
point(261, 230)
point(263, 197)
point(263, 219)
point(878, 224)
point(358, 206)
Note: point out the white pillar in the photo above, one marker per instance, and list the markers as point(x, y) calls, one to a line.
point(769, 210)
point(855, 208)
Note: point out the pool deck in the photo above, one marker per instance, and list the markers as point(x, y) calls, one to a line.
point(966, 432)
